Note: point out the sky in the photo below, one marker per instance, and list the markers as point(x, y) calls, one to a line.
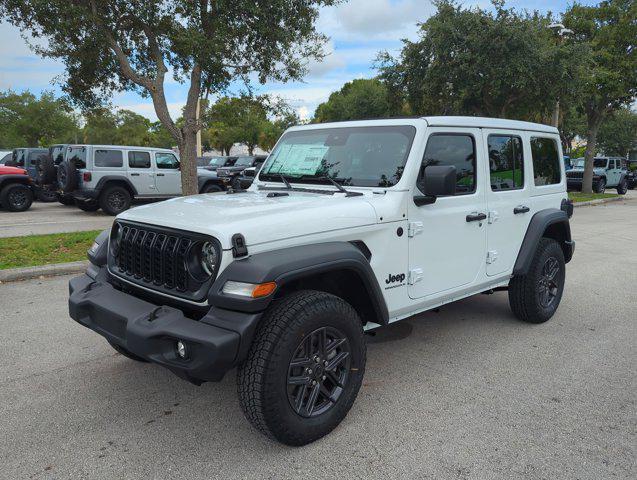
point(357, 31)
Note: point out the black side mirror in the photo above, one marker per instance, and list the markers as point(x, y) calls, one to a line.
point(438, 181)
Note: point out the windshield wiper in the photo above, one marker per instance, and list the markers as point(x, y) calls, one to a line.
point(286, 182)
point(340, 187)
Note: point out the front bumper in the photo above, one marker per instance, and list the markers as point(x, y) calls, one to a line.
point(215, 343)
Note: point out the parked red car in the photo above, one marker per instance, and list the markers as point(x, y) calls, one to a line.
point(16, 189)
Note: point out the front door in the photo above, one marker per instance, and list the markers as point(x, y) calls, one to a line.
point(447, 239)
point(613, 174)
point(509, 211)
point(141, 172)
point(168, 174)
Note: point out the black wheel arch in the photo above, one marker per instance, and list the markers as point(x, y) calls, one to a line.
point(205, 181)
point(110, 180)
point(340, 268)
point(549, 223)
point(17, 178)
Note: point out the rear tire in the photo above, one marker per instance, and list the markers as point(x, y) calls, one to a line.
point(297, 343)
point(87, 206)
point(47, 196)
point(65, 199)
point(534, 297)
point(16, 197)
point(115, 200)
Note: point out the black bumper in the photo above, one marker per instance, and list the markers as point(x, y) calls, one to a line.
point(85, 195)
point(215, 343)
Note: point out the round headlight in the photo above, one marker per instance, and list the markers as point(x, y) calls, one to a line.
point(209, 258)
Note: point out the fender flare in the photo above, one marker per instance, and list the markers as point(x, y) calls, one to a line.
point(15, 178)
point(101, 183)
point(294, 263)
point(541, 221)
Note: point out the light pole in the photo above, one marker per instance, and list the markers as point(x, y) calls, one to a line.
point(561, 31)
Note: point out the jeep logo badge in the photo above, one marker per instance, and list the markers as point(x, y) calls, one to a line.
point(395, 278)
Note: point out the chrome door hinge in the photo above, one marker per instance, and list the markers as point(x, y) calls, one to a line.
point(415, 276)
point(414, 228)
point(492, 256)
point(492, 216)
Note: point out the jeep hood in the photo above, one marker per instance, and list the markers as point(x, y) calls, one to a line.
point(259, 218)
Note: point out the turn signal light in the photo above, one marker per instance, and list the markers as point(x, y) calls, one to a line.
point(250, 290)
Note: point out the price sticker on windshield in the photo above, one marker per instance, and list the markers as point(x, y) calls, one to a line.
point(298, 159)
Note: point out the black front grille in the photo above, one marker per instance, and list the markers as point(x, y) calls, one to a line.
point(572, 174)
point(159, 258)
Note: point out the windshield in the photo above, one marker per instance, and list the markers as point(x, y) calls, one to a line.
point(597, 163)
point(356, 156)
point(216, 161)
point(243, 162)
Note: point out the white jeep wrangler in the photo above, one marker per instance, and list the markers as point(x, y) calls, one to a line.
point(348, 227)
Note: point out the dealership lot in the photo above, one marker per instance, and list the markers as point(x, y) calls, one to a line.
point(468, 392)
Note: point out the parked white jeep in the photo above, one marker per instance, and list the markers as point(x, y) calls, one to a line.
point(348, 227)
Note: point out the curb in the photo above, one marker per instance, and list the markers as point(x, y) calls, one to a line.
point(28, 273)
point(599, 201)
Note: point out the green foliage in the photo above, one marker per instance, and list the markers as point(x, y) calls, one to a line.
point(246, 119)
point(29, 121)
point(475, 62)
point(357, 99)
point(618, 133)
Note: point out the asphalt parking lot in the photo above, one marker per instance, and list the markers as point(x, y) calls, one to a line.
point(51, 217)
point(467, 393)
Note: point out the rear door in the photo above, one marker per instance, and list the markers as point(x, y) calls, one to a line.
point(141, 172)
point(447, 239)
point(509, 211)
point(168, 175)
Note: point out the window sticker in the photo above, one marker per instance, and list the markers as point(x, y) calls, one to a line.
point(298, 159)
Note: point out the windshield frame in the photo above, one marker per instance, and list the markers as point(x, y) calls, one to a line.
point(409, 129)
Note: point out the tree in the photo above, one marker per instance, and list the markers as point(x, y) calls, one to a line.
point(115, 45)
point(358, 99)
point(132, 129)
point(608, 32)
point(28, 121)
point(475, 62)
point(100, 127)
point(618, 134)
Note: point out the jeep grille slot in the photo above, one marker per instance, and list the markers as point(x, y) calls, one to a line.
point(158, 259)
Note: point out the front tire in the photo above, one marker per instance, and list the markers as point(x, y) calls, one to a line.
point(304, 368)
point(600, 187)
point(534, 297)
point(622, 188)
point(114, 200)
point(16, 197)
point(211, 188)
point(87, 206)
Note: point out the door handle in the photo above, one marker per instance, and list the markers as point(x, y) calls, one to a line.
point(134, 174)
point(160, 174)
point(476, 217)
point(521, 209)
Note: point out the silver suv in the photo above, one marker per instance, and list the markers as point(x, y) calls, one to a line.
point(110, 177)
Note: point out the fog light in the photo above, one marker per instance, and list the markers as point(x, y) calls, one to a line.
point(181, 349)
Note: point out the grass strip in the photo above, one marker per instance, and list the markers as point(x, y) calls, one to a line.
point(586, 197)
point(45, 249)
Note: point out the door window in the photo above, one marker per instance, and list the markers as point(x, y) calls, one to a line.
point(108, 158)
point(166, 161)
point(77, 155)
point(458, 150)
point(139, 159)
point(546, 163)
point(506, 162)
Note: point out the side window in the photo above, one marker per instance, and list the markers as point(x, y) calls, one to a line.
point(458, 150)
point(33, 156)
point(166, 161)
point(19, 158)
point(546, 163)
point(611, 164)
point(108, 158)
point(77, 155)
point(506, 162)
point(139, 159)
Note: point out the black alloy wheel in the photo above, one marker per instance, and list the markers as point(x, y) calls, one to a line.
point(318, 372)
point(19, 198)
point(547, 283)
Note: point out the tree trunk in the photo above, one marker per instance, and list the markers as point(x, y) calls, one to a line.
point(188, 162)
point(555, 121)
point(594, 122)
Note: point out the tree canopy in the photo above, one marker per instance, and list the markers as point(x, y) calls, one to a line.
point(477, 62)
point(358, 99)
point(29, 121)
point(115, 45)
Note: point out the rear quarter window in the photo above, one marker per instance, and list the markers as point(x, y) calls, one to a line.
point(108, 158)
point(546, 161)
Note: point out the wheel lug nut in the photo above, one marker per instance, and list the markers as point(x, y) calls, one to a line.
point(324, 377)
point(309, 370)
point(325, 363)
